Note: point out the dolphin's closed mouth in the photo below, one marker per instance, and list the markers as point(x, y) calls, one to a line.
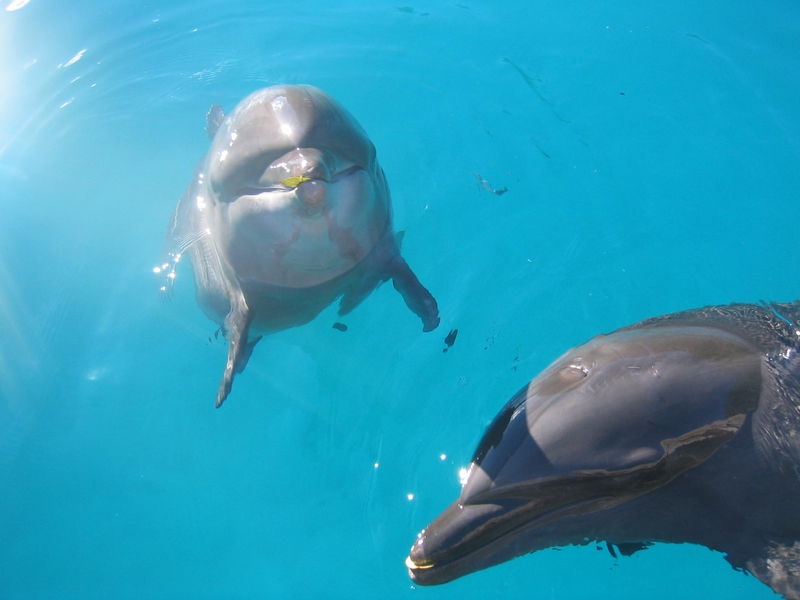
point(291, 183)
point(519, 521)
point(467, 537)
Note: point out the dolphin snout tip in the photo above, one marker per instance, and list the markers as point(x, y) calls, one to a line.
point(417, 558)
point(419, 572)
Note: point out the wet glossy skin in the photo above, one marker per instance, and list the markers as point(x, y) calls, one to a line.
point(297, 193)
point(287, 212)
point(649, 434)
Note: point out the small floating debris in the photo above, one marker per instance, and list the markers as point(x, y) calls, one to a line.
point(340, 326)
point(450, 339)
point(410, 10)
point(216, 335)
point(697, 37)
point(485, 185)
point(540, 149)
point(536, 84)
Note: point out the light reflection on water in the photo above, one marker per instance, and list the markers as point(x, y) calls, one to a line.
point(646, 151)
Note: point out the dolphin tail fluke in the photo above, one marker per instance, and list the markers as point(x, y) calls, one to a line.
point(417, 298)
point(237, 324)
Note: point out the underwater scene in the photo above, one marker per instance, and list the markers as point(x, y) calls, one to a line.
point(430, 205)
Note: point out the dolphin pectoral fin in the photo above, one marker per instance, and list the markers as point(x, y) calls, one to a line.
point(417, 298)
point(214, 118)
point(383, 263)
point(171, 257)
point(237, 324)
point(187, 227)
point(248, 352)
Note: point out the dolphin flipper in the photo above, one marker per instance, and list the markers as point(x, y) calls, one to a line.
point(384, 263)
point(214, 118)
point(248, 352)
point(237, 324)
point(417, 297)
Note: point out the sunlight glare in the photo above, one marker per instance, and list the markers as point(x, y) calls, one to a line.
point(16, 4)
point(463, 475)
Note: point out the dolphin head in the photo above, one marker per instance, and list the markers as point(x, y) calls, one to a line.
point(606, 424)
point(296, 192)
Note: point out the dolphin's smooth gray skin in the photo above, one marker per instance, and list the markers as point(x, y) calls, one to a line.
point(288, 211)
point(682, 428)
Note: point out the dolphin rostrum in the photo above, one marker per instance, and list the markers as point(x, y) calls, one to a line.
point(681, 428)
point(288, 211)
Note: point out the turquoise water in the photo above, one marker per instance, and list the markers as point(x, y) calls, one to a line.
point(651, 153)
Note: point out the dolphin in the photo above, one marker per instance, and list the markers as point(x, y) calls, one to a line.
point(288, 211)
point(683, 428)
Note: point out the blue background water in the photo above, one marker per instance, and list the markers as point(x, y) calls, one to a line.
point(651, 153)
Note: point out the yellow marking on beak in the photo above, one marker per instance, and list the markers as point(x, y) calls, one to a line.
point(293, 182)
point(412, 565)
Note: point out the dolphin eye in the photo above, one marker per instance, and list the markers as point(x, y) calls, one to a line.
point(562, 378)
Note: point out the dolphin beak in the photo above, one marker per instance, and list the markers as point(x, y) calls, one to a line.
point(480, 532)
point(459, 538)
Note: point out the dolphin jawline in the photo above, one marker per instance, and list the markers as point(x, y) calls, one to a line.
point(520, 520)
point(553, 498)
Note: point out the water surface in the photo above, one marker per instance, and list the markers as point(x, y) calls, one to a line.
point(651, 154)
